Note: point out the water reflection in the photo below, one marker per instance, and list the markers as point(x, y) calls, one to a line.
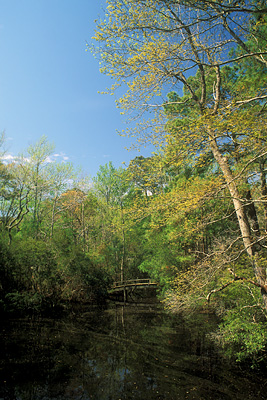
point(116, 354)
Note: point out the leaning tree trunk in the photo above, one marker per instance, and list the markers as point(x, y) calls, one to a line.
point(259, 271)
point(264, 191)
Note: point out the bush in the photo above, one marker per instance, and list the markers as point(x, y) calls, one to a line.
point(35, 265)
point(84, 281)
point(7, 275)
point(243, 330)
point(242, 338)
point(29, 276)
point(23, 302)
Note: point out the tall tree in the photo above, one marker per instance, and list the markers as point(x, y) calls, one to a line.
point(61, 175)
point(148, 174)
point(152, 46)
point(39, 154)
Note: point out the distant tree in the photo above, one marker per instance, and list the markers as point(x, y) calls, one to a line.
point(15, 195)
point(61, 175)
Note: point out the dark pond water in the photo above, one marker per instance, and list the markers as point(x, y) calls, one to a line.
point(121, 353)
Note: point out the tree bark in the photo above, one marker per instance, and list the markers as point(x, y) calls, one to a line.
point(259, 271)
point(123, 248)
point(264, 192)
point(252, 215)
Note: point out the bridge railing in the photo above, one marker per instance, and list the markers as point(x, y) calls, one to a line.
point(132, 282)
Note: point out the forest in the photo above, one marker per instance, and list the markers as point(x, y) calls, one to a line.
point(193, 215)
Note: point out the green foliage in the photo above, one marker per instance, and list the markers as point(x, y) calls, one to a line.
point(91, 279)
point(162, 258)
point(35, 278)
point(242, 336)
point(23, 302)
point(35, 265)
point(111, 184)
point(7, 279)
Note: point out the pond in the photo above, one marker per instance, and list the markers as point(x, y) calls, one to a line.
point(119, 353)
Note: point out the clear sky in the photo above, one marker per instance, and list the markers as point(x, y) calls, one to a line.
point(49, 84)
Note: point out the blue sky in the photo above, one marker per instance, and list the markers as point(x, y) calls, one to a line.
point(49, 84)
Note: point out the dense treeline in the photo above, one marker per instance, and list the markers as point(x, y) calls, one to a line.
point(65, 239)
point(193, 216)
point(46, 213)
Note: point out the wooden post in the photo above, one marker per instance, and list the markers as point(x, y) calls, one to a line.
point(125, 297)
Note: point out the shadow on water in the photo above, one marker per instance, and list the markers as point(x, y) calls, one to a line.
point(117, 354)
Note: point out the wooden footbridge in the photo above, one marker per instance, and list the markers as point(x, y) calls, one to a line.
point(129, 286)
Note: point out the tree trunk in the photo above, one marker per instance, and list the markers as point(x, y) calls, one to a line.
point(260, 272)
point(53, 217)
point(123, 247)
point(264, 192)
